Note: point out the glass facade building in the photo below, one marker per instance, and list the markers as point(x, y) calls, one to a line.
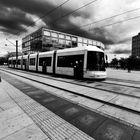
point(45, 40)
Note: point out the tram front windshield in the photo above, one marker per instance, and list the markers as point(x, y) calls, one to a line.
point(95, 61)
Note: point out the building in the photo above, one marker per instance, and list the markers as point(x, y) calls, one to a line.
point(45, 40)
point(136, 46)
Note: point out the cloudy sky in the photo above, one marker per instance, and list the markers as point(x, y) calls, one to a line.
point(88, 18)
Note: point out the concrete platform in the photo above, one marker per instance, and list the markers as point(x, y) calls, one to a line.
point(58, 118)
point(123, 74)
point(22, 118)
point(15, 124)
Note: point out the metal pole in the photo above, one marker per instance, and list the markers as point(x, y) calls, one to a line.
point(16, 53)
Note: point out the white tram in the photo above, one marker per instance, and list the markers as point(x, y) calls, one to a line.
point(79, 62)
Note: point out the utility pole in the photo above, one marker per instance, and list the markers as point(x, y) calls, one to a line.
point(16, 50)
point(16, 53)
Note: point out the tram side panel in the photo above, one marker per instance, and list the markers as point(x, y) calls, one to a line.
point(32, 62)
point(45, 62)
point(19, 62)
point(70, 64)
point(10, 62)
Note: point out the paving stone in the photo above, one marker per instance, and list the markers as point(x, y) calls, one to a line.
point(88, 121)
point(42, 116)
point(12, 125)
point(112, 130)
point(31, 132)
point(127, 102)
point(50, 124)
point(10, 113)
point(32, 109)
point(136, 135)
point(70, 112)
point(7, 105)
point(44, 99)
point(81, 136)
point(36, 92)
point(102, 95)
point(94, 105)
point(119, 114)
point(56, 105)
point(23, 100)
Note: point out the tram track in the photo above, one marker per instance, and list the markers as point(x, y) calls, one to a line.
point(88, 81)
point(109, 81)
point(103, 86)
point(125, 81)
point(126, 108)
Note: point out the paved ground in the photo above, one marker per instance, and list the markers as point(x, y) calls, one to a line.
point(123, 74)
point(22, 118)
point(95, 125)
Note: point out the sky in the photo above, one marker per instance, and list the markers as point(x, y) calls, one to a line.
point(87, 18)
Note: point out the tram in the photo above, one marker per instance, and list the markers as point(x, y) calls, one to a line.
point(79, 62)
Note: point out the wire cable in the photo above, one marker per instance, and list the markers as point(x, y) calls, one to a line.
point(109, 17)
point(121, 21)
point(75, 10)
point(48, 13)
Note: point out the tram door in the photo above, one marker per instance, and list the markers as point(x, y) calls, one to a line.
point(78, 69)
point(44, 67)
point(24, 63)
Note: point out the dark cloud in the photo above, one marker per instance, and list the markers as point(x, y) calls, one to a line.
point(121, 51)
point(38, 8)
point(15, 18)
point(12, 20)
point(124, 40)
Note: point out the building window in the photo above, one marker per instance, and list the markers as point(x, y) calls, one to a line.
point(68, 37)
point(54, 34)
point(90, 42)
point(61, 36)
point(79, 39)
point(47, 33)
point(68, 44)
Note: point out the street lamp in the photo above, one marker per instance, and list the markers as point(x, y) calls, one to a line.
point(16, 49)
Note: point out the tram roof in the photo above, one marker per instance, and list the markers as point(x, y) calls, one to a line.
point(81, 48)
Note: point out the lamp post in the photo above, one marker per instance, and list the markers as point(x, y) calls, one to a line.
point(16, 53)
point(16, 50)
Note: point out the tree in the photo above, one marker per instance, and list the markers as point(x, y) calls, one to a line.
point(114, 62)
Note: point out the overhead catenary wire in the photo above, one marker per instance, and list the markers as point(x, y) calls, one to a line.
point(121, 21)
point(44, 15)
point(79, 9)
point(61, 16)
point(48, 13)
point(75, 10)
point(89, 24)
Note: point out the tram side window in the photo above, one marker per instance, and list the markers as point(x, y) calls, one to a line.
point(14, 62)
point(69, 61)
point(32, 61)
point(10, 62)
point(46, 60)
point(24, 61)
point(18, 62)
